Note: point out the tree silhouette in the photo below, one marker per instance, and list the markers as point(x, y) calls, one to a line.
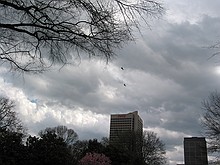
point(68, 135)
point(8, 117)
point(153, 149)
point(12, 150)
point(211, 121)
point(47, 150)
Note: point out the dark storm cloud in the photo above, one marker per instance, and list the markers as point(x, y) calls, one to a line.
point(167, 74)
point(177, 55)
point(169, 71)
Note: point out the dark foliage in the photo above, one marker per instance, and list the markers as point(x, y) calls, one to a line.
point(78, 150)
point(117, 155)
point(48, 150)
point(12, 150)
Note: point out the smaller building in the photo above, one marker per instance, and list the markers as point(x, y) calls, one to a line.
point(195, 151)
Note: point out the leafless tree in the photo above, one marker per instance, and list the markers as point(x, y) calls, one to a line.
point(8, 117)
point(153, 149)
point(69, 135)
point(211, 121)
point(35, 34)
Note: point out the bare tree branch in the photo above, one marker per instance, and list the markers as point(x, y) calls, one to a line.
point(153, 149)
point(211, 121)
point(8, 117)
point(37, 34)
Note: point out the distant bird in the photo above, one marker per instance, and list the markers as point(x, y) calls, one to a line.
point(125, 85)
point(122, 68)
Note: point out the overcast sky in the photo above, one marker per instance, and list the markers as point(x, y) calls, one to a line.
point(167, 73)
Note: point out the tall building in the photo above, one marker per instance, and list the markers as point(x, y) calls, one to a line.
point(127, 130)
point(195, 151)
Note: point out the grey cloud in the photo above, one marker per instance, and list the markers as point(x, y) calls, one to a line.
point(166, 73)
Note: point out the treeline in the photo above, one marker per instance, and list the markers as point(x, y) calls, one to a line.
point(61, 146)
point(47, 149)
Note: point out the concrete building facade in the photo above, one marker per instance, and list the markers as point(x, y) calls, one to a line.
point(195, 151)
point(126, 130)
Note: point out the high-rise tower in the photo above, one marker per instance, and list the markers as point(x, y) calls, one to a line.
point(127, 130)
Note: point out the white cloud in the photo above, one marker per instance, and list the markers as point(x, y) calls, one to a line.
point(165, 133)
point(175, 156)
